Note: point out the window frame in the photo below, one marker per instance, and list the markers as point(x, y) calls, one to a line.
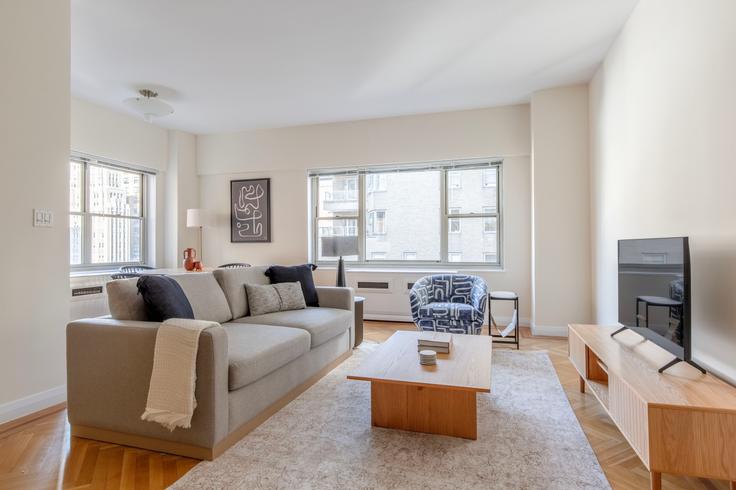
point(362, 215)
point(87, 216)
point(451, 212)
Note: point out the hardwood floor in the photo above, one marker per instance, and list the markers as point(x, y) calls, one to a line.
point(41, 454)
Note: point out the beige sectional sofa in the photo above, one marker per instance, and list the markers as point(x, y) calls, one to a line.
point(247, 368)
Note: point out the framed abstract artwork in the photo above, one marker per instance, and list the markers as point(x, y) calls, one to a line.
point(250, 211)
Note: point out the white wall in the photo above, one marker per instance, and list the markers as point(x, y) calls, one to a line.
point(34, 138)
point(102, 132)
point(181, 193)
point(663, 120)
point(561, 289)
point(286, 154)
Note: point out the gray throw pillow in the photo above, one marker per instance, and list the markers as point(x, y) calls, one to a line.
point(284, 296)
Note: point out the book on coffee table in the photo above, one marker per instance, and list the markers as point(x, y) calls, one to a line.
point(436, 341)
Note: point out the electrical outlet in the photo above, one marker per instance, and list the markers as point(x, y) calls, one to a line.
point(43, 218)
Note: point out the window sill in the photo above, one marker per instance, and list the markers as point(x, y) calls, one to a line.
point(93, 273)
point(414, 270)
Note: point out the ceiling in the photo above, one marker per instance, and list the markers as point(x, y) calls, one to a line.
point(229, 65)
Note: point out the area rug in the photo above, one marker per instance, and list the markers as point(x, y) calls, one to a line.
point(528, 438)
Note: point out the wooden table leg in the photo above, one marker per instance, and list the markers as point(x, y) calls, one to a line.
point(655, 480)
point(582, 384)
point(423, 409)
point(733, 485)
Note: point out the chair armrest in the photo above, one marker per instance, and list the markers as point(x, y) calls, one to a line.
point(335, 297)
point(478, 296)
point(109, 365)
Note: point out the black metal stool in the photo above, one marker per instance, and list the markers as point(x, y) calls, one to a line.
point(504, 296)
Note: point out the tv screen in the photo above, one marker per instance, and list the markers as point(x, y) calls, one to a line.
point(654, 291)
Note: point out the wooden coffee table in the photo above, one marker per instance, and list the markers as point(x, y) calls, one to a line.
point(438, 399)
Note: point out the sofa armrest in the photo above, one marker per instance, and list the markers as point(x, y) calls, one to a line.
point(340, 298)
point(335, 297)
point(109, 365)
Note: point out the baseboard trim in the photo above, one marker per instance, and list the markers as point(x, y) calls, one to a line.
point(388, 318)
point(31, 417)
point(30, 407)
point(199, 452)
point(549, 330)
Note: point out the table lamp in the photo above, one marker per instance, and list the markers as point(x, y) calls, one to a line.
point(337, 246)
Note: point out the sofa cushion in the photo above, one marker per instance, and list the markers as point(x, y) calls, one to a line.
point(322, 324)
point(164, 298)
point(124, 301)
point(257, 350)
point(296, 273)
point(204, 293)
point(233, 281)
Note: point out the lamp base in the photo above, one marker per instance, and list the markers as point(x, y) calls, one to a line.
point(340, 280)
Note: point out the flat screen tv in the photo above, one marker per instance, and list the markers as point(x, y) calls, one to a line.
point(654, 293)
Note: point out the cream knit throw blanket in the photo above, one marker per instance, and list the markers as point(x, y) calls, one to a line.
point(171, 400)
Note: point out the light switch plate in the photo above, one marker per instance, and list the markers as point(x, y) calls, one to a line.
point(43, 218)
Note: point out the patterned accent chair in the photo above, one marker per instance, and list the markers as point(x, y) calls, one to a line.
point(451, 303)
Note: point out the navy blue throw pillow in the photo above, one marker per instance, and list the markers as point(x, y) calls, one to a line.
point(164, 298)
point(301, 273)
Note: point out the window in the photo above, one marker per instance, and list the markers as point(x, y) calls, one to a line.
point(337, 216)
point(375, 182)
point(454, 180)
point(489, 178)
point(489, 223)
point(377, 222)
point(454, 225)
point(420, 213)
point(106, 215)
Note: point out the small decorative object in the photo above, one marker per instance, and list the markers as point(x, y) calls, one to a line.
point(250, 211)
point(189, 255)
point(197, 218)
point(337, 246)
point(427, 357)
point(198, 265)
point(439, 342)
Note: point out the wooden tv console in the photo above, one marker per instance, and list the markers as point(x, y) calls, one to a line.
point(680, 421)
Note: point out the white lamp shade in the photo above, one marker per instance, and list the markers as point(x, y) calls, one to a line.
point(196, 218)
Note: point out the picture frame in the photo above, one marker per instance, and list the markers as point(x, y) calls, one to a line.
point(250, 211)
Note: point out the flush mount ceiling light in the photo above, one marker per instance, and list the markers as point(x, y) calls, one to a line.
point(148, 106)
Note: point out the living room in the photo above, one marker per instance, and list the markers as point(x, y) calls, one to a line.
point(506, 156)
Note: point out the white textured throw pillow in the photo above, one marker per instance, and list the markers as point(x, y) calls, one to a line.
point(284, 296)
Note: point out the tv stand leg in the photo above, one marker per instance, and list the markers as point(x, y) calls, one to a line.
point(669, 365)
point(675, 361)
point(655, 480)
point(582, 384)
point(619, 331)
point(695, 365)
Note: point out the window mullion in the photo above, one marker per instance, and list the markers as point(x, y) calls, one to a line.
point(444, 220)
point(86, 221)
point(361, 218)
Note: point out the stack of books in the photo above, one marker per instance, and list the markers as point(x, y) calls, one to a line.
point(439, 342)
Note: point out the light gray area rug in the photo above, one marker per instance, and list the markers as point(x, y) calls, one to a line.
point(528, 438)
